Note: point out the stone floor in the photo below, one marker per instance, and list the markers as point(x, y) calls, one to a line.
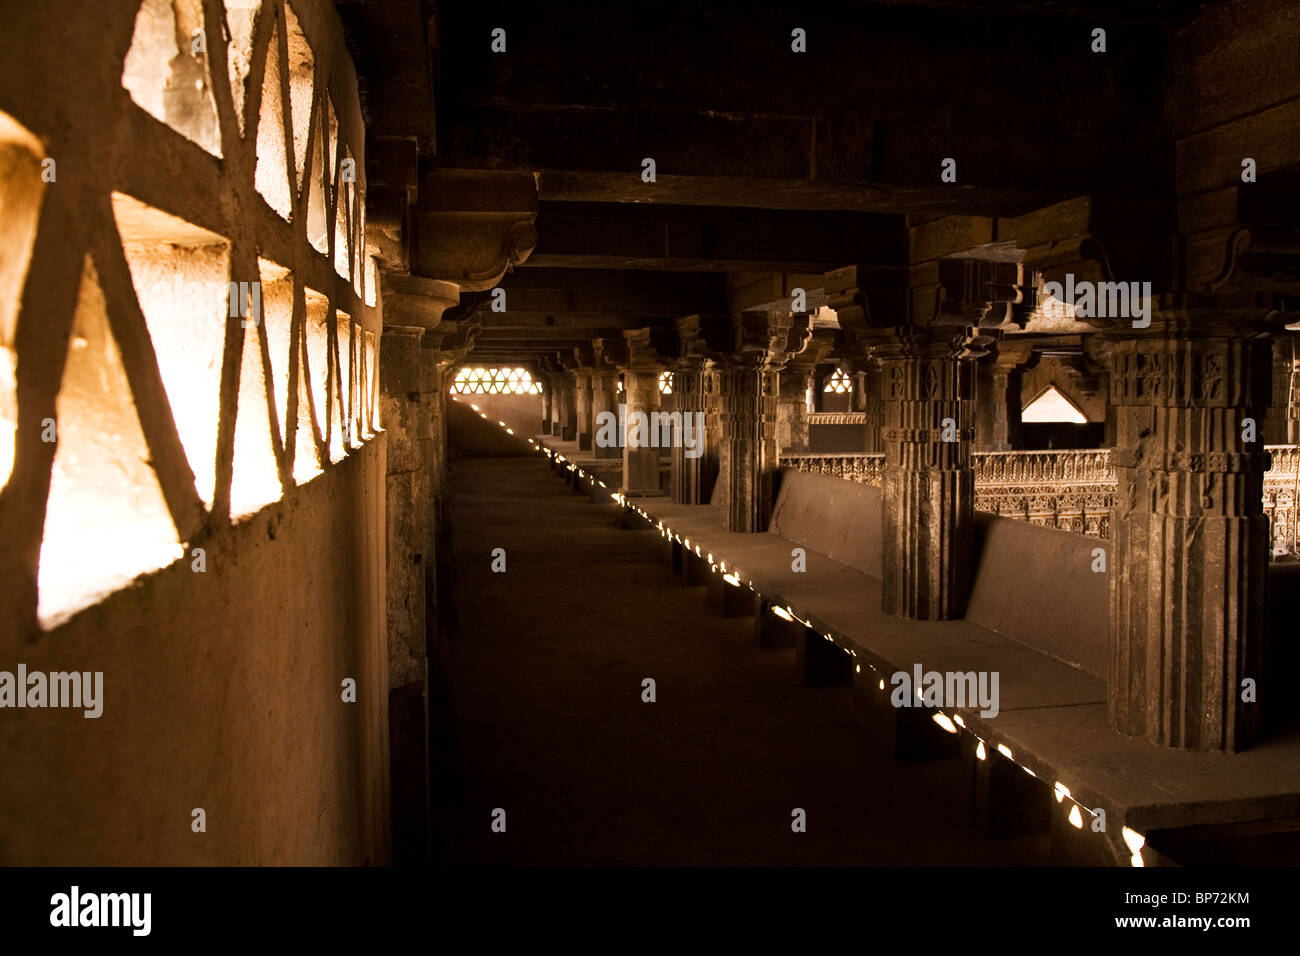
point(545, 671)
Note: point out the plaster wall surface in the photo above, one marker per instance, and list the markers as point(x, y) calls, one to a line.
point(221, 691)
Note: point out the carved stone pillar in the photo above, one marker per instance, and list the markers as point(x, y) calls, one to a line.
point(640, 457)
point(792, 402)
point(473, 227)
point(688, 463)
point(1293, 400)
point(695, 388)
point(748, 390)
point(995, 404)
point(748, 457)
point(791, 409)
point(582, 391)
point(1276, 429)
point(443, 348)
point(929, 487)
point(866, 399)
point(1190, 542)
point(568, 395)
point(604, 409)
point(409, 433)
point(548, 396)
point(408, 507)
point(712, 431)
point(555, 383)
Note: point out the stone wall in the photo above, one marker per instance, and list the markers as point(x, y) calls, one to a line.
point(195, 503)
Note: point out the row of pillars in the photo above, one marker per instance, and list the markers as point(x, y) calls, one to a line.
point(1188, 559)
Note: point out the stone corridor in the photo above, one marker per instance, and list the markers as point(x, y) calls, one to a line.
point(948, 341)
point(546, 697)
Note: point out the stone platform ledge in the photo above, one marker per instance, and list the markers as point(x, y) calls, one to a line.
point(583, 458)
point(1052, 717)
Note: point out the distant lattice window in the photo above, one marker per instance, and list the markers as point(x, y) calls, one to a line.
point(665, 383)
point(839, 383)
point(495, 381)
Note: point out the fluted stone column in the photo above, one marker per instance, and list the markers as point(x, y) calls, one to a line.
point(712, 429)
point(556, 383)
point(640, 463)
point(582, 383)
point(929, 487)
point(409, 493)
point(548, 397)
point(866, 399)
point(1274, 427)
point(791, 409)
point(1293, 403)
point(747, 463)
point(797, 377)
point(408, 506)
point(997, 388)
point(433, 397)
point(688, 471)
point(604, 402)
point(1189, 540)
point(568, 397)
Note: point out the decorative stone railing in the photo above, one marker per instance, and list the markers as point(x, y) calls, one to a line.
point(1280, 485)
point(836, 418)
point(862, 468)
point(1071, 489)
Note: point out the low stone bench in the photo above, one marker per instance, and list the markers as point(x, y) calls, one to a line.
point(599, 478)
point(1037, 616)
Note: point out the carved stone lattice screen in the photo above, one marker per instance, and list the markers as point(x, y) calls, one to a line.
point(1070, 489)
point(495, 381)
point(183, 272)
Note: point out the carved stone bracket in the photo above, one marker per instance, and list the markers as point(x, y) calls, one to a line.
point(474, 225)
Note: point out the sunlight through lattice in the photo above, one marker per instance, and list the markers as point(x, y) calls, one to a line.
point(495, 381)
point(839, 383)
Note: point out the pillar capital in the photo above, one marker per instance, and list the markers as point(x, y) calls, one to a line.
point(609, 354)
point(648, 349)
point(970, 294)
point(759, 340)
point(929, 488)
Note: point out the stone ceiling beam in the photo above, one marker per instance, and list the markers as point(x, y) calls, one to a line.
point(627, 236)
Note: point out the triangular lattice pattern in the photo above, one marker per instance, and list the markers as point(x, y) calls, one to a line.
point(495, 381)
point(839, 383)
